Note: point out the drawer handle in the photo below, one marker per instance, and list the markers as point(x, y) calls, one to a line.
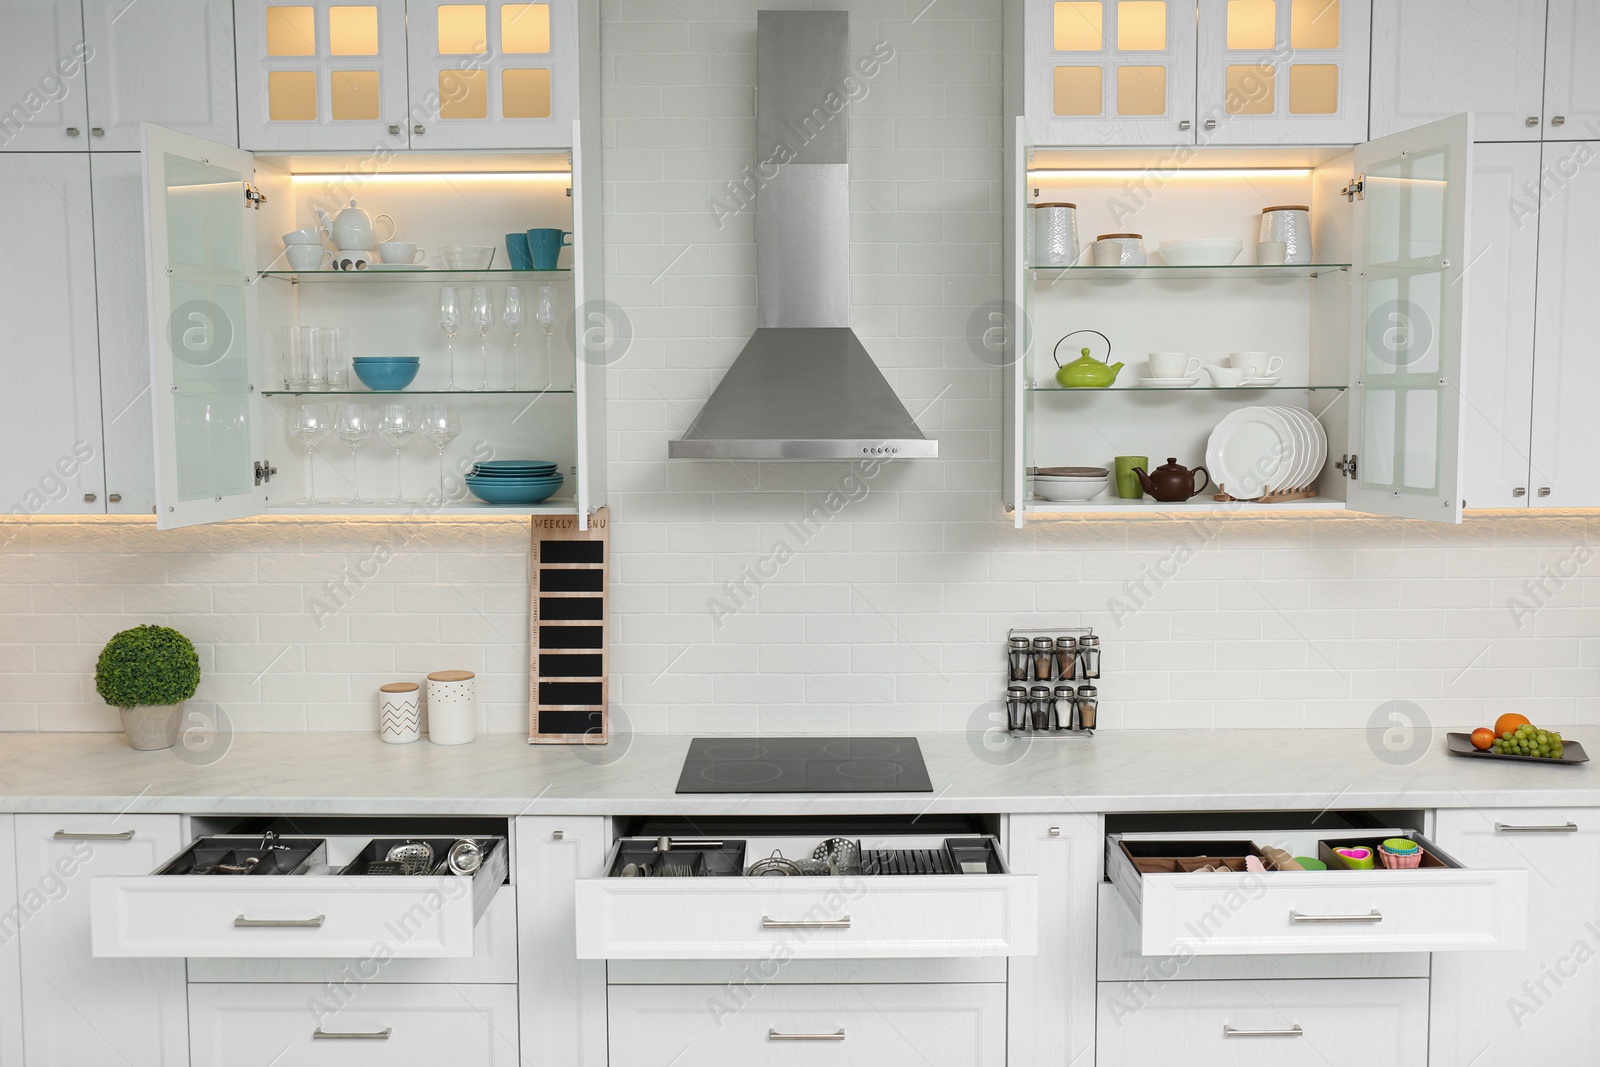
point(1373, 916)
point(768, 923)
point(1506, 828)
point(85, 835)
point(837, 1035)
point(299, 924)
point(352, 1035)
point(1233, 1031)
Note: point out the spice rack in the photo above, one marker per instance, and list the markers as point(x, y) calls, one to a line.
point(1053, 674)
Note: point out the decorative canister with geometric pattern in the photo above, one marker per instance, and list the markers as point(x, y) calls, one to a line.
point(399, 716)
point(452, 707)
point(1055, 234)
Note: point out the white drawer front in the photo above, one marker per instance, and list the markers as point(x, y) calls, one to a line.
point(1426, 910)
point(818, 1026)
point(808, 917)
point(352, 1026)
point(1378, 1023)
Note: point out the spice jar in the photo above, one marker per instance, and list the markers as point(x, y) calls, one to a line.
point(1016, 707)
point(1044, 657)
point(1065, 701)
point(1042, 705)
point(1066, 658)
point(1088, 656)
point(1020, 657)
point(1088, 706)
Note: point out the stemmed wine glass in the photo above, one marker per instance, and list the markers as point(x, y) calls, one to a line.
point(397, 427)
point(545, 315)
point(450, 323)
point(439, 427)
point(482, 321)
point(310, 426)
point(514, 316)
point(354, 428)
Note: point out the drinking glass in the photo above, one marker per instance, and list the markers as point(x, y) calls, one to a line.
point(450, 323)
point(514, 316)
point(333, 348)
point(397, 427)
point(353, 428)
point(544, 313)
point(482, 321)
point(310, 426)
point(439, 427)
point(292, 345)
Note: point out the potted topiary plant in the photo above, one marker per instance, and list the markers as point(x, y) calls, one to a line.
point(147, 673)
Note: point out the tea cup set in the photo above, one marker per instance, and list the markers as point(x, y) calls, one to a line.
point(353, 234)
point(538, 248)
point(1239, 370)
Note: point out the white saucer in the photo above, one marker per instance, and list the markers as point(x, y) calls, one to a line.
point(398, 266)
point(1260, 383)
point(1167, 383)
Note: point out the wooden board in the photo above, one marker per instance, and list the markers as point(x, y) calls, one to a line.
point(569, 625)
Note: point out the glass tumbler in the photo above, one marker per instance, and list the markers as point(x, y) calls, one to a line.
point(334, 343)
point(295, 349)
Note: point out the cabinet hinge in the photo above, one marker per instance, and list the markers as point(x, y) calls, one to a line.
point(1353, 191)
point(254, 197)
point(264, 472)
point(1346, 466)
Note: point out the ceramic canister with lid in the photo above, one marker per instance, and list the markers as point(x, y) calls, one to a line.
point(1291, 224)
point(1055, 234)
point(452, 707)
point(399, 718)
point(1119, 250)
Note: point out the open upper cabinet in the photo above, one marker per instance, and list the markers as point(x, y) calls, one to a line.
point(1369, 332)
point(221, 295)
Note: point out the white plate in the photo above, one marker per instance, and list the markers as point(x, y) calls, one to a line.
point(1318, 452)
point(1250, 450)
point(398, 266)
point(1260, 383)
point(1295, 476)
point(1167, 383)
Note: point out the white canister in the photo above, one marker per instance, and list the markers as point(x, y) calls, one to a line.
point(1119, 250)
point(1291, 224)
point(452, 707)
point(1055, 234)
point(399, 717)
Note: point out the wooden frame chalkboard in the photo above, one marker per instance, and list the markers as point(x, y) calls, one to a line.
point(569, 626)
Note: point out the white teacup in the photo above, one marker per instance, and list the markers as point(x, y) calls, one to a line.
point(307, 257)
point(1225, 377)
point(1256, 364)
point(400, 252)
point(351, 259)
point(1173, 365)
point(308, 235)
point(1272, 253)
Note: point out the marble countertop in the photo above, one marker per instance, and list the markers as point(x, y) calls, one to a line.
point(636, 774)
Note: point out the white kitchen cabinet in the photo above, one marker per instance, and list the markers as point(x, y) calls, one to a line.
point(1540, 1005)
point(54, 461)
point(1565, 374)
point(42, 59)
point(1282, 72)
point(77, 1008)
point(1051, 996)
point(16, 916)
point(1106, 72)
point(1497, 363)
point(562, 998)
point(1435, 58)
point(163, 61)
point(1384, 1023)
point(1571, 77)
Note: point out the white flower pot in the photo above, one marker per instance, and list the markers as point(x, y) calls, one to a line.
point(152, 726)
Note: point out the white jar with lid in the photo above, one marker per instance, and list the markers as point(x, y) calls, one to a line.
point(1055, 234)
point(452, 707)
point(1119, 250)
point(399, 717)
point(1290, 224)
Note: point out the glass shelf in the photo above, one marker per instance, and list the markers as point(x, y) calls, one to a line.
point(1162, 271)
point(417, 392)
point(1103, 505)
point(492, 274)
point(1193, 389)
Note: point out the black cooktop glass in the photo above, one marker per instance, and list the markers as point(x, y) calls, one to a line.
point(804, 765)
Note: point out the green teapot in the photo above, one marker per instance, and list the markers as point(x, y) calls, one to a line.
point(1085, 372)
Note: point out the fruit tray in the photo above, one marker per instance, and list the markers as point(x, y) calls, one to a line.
point(1460, 744)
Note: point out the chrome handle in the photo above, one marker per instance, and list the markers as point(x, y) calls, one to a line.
point(89, 498)
point(394, 129)
point(85, 835)
point(72, 131)
point(1234, 1031)
point(1211, 124)
point(1055, 831)
point(837, 1035)
point(300, 924)
point(558, 835)
point(1559, 120)
point(1520, 490)
point(98, 131)
point(1506, 828)
point(115, 498)
point(1544, 490)
point(1185, 124)
point(419, 128)
point(805, 924)
point(351, 1035)
point(1532, 120)
point(1373, 916)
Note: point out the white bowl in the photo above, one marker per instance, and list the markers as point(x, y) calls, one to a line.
point(1204, 252)
point(1064, 489)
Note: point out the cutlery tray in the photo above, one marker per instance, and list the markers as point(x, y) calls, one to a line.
point(372, 861)
point(723, 860)
point(958, 855)
point(215, 855)
point(1191, 856)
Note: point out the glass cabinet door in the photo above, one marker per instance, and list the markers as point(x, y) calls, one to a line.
point(1283, 71)
point(1406, 329)
point(1110, 71)
point(201, 257)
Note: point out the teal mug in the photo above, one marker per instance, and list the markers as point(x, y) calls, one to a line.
point(517, 250)
point(545, 245)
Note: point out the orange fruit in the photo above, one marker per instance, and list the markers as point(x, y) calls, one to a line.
point(1509, 721)
point(1482, 737)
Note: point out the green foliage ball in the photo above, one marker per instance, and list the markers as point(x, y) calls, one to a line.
point(147, 665)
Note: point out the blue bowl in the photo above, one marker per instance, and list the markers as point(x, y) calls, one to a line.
point(514, 465)
point(515, 475)
point(385, 377)
point(386, 359)
point(497, 493)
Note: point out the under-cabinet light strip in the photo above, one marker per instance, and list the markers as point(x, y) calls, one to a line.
point(1168, 174)
point(476, 176)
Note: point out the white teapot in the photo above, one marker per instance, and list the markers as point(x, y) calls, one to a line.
point(352, 228)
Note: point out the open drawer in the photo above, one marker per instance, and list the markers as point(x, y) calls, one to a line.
point(921, 907)
point(1441, 906)
point(324, 900)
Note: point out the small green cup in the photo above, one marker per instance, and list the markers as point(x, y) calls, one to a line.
point(1128, 482)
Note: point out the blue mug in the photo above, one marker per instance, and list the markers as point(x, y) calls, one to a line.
point(545, 245)
point(517, 249)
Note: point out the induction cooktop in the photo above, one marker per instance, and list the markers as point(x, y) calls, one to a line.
point(804, 765)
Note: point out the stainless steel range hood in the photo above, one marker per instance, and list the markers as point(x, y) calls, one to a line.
point(804, 387)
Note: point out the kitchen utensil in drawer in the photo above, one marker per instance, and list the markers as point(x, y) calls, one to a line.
point(841, 854)
point(1460, 744)
point(775, 864)
point(700, 858)
point(414, 857)
point(465, 856)
point(245, 855)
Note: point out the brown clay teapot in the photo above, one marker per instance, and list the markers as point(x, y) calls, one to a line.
point(1172, 481)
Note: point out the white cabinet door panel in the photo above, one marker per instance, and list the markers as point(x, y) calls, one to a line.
point(1571, 75)
point(42, 60)
point(10, 956)
point(563, 998)
point(169, 62)
point(1051, 998)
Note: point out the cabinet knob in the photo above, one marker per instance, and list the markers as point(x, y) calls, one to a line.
point(1211, 124)
point(394, 129)
point(89, 498)
point(115, 498)
point(98, 131)
point(1559, 120)
point(1055, 831)
point(419, 128)
point(558, 835)
point(72, 131)
point(1544, 490)
point(1520, 490)
point(1533, 120)
point(1185, 124)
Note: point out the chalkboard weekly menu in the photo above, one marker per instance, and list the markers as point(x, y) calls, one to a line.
point(570, 616)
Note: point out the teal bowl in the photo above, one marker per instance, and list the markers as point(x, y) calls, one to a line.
point(499, 491)
point(386, 377)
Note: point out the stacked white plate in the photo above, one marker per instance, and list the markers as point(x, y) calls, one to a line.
point(1260, 449)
